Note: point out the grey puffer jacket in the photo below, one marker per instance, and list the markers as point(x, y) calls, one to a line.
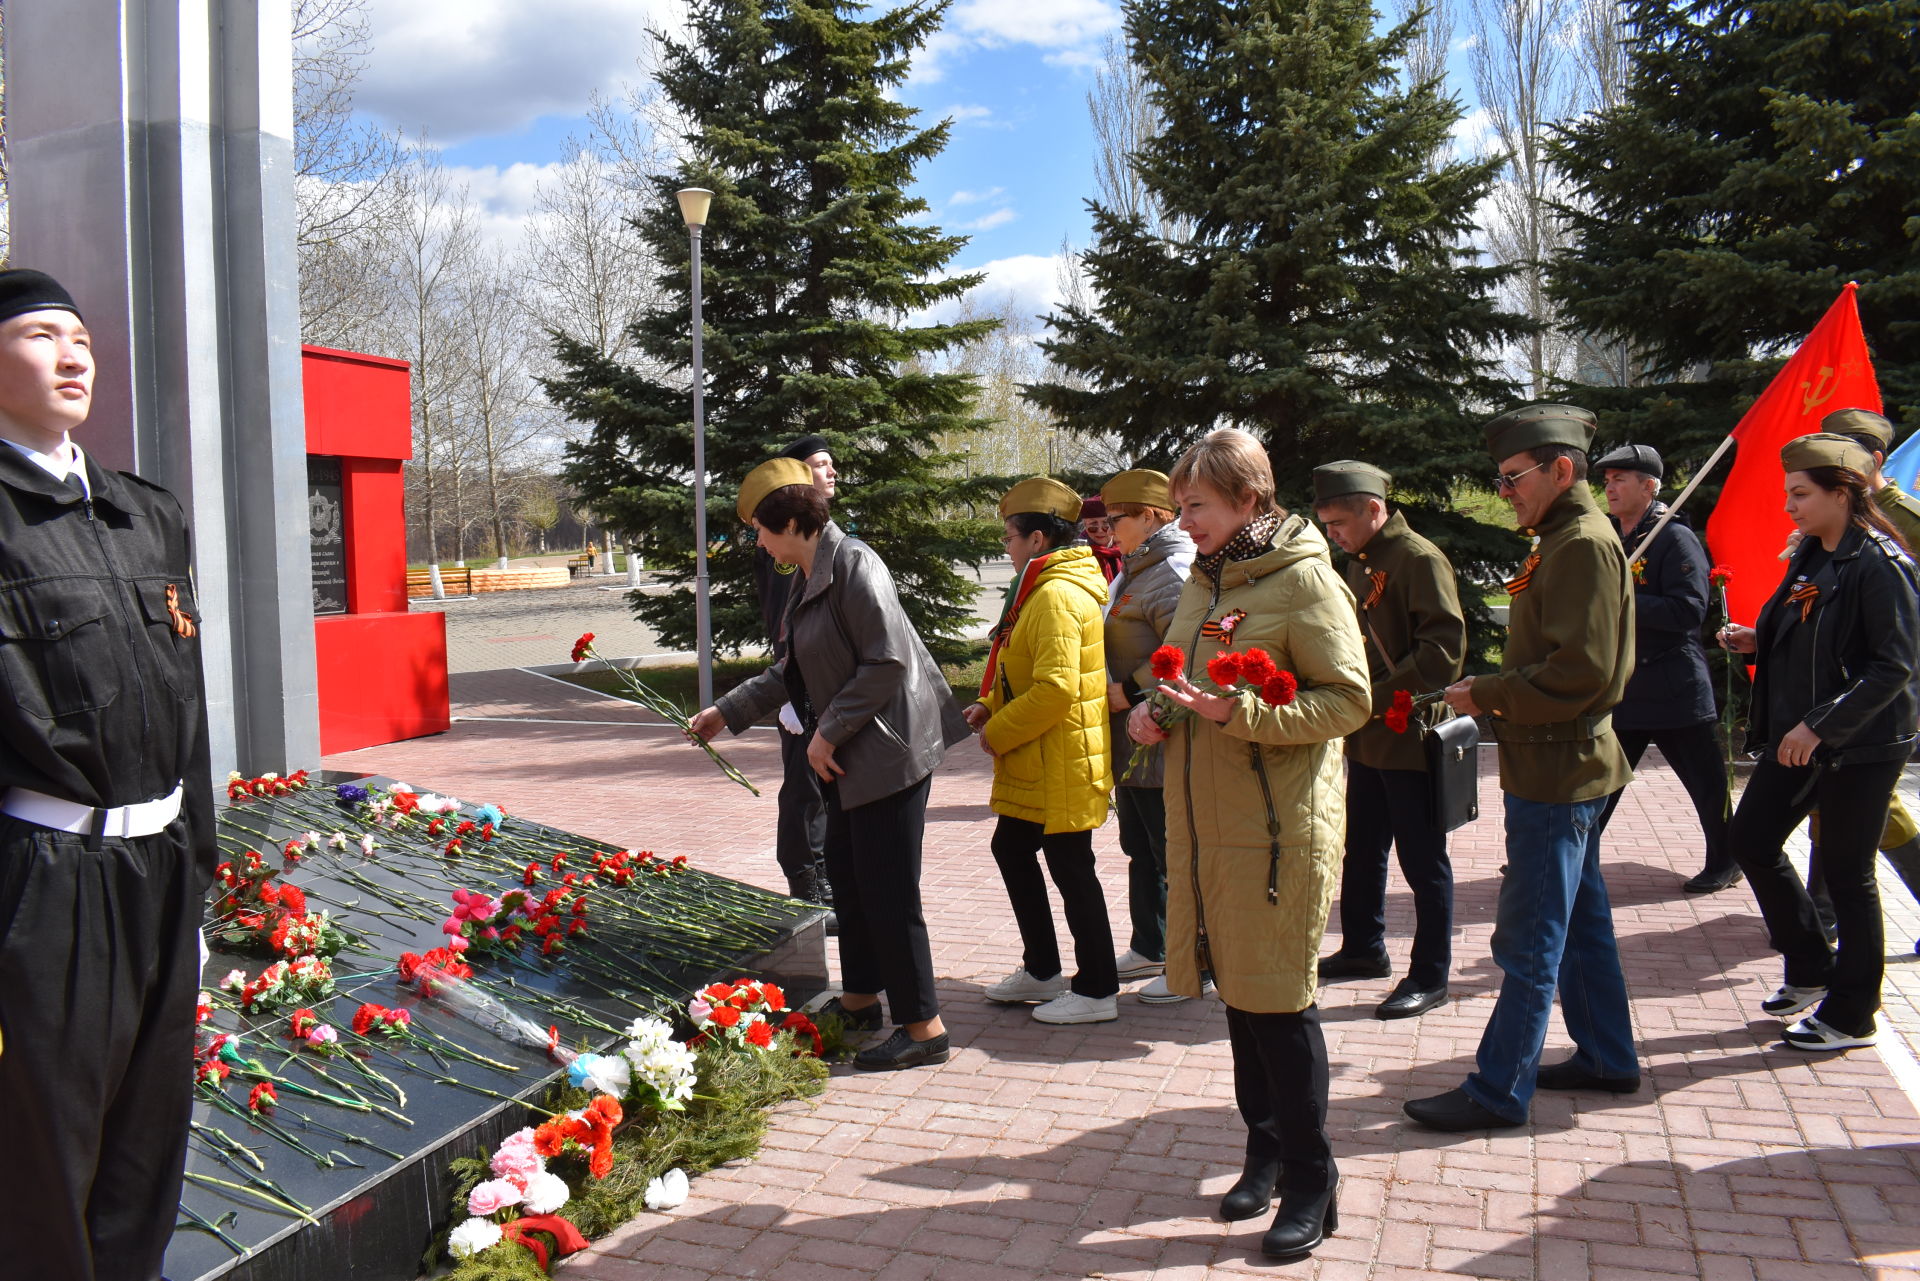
point(874, 689)
point(1144, 597)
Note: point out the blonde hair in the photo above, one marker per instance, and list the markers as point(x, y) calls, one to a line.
point(1231, 463)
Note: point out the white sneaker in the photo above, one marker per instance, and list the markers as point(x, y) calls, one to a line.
point(1808, 1034)
point(1075, 1008)
point(1789, 1001)
point(1158, 993)
point(1133, 966)
point(1021, 988)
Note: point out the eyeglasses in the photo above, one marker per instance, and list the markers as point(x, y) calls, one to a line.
point(1503, 482)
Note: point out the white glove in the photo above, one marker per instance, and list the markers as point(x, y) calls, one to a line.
point(790, 720)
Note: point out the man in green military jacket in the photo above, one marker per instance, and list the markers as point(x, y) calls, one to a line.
point(1900, 841)
point(1404, 591)
point(1565, 665)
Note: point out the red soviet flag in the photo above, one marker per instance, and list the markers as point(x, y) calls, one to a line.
point(1749, 525)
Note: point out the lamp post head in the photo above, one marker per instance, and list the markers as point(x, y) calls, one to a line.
point(694, 202)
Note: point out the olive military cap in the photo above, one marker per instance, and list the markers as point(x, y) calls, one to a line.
point(775, 473)
point(1532, 426)
point(1863, 425)
point(1640, 458)
point(1337, 480)
point(1041, 495)
point(1148, 488)
point(1825, 449)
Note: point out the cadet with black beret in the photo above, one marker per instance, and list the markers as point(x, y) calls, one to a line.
point(1669, 701)
point(1403, 589)
point(1832, 725)
point(1568, 654)
point(108, 847)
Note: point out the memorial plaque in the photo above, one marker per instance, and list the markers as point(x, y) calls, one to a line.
point(328, 534)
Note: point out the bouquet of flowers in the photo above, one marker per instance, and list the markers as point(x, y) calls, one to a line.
point(585, 1132)
point(305, 980)
point(1228, 673)
point(260, 914)
point(739, 1014)
point(654, 701)
point(1399, 714)
point(522, 1198)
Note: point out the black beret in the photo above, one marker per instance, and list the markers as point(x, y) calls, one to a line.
point(1640, 458)
point(806, 447)
point(1531, 426)
point(23, 290)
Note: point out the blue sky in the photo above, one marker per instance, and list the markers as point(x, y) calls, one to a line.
point(500, 85)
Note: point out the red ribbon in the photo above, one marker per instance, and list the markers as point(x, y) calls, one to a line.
point(566, 1238)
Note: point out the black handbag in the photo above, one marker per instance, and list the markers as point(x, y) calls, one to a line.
point(1453, 771)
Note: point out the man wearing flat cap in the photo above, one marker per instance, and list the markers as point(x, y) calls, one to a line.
point(1403, 588)
point(1563, 669)
point(1042, 715)
point(1669, 700)
point(800, 830)
point(107, 846)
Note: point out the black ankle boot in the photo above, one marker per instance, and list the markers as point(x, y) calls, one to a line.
point(1250, 1197)
point(1302, 1223)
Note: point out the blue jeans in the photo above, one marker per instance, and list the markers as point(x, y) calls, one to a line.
point(1554, 928)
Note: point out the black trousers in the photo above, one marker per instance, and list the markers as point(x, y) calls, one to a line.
point(873, 856)
point(1393, 809)
point(99, 967)
point(800, 833)
point(1853, 810)
point(1280, 1083)
point(1143, 838)
point(1016, 843)
point(1694, 753)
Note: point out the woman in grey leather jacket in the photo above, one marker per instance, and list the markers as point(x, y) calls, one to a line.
point(1158, 555)
point(880, 718)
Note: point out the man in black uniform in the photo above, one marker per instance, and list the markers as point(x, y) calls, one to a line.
point(106, 822)
point(800, 832)
point(1669, 701)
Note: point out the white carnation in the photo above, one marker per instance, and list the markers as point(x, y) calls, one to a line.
point(546, 1193)
point(667, 1191)
point(472, 1237)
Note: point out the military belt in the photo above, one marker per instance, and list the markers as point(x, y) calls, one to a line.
point(1581, 729)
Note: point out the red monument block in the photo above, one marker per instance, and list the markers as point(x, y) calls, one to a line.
point(383, 670)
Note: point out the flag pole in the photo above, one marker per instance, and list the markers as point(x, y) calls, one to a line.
point(1676, 504)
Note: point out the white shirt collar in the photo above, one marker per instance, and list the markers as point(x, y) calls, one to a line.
point(63, 463)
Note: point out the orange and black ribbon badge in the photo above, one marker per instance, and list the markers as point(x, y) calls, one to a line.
point(1524, 579)
point(182, 625)
point(1378, 577)
point(1803, 595)
point(1221, 629)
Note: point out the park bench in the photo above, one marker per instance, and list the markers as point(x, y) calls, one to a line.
point(457, 582)
point(578, 565)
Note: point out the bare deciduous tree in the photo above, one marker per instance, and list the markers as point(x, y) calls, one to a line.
point(496, 383)
point(591, 269)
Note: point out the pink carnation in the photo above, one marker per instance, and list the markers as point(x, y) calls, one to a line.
point(517, 1165)
point(698, 1010)
point(492, 1196)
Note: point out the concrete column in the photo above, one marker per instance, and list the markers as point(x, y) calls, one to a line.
point(150, 148)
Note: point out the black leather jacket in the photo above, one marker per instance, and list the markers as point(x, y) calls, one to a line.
point(1670, 687)
point(1847, 669)
point(99, 644)
point(878, 697)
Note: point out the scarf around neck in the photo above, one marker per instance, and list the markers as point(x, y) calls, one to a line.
point(1253, 539)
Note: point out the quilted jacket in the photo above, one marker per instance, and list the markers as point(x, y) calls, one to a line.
point(1144, 597)
point(1048, 704)
point(1247, 904)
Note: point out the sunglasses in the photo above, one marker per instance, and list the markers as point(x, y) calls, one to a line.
point(1503, 482)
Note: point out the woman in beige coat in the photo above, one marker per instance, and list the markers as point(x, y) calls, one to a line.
point(1256, 817)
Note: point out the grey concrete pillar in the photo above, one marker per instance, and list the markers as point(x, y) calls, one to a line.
point(150, 150)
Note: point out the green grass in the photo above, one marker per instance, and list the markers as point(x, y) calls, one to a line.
point(680, 682)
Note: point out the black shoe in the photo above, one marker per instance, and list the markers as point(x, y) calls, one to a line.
point(865, 1019)
point(901, 1051)
point(1345, 965)
point(1250, 1197)
point(1302, 1223)
point(1571, 1076)
point(1712, 881)
point(1455, 1111)
point(1409, 1000)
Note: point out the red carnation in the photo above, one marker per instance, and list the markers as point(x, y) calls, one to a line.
point(776, 999)
point(582, 646)
point(1719, 575)
point(1168, 662)
point(1400, 714)
point(294, 899)
point(366, 1016)
point(1279, 689)
point(725, 1015)
point(1223, 669)
point(262, 1098)
point(802, 1027)
point(760, 1035)
point(1257, 666)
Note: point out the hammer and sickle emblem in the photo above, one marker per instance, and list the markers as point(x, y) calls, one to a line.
point(182, 625)
point(1818, 392)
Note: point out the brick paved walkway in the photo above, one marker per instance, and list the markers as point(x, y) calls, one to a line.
point(1100, 1151)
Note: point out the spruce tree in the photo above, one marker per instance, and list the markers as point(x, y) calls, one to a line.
point(814, 258)
point(1764, 155)
point(1317, 288)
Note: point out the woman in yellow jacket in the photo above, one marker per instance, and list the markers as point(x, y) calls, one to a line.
point(1042, 715)
point(1256, 813)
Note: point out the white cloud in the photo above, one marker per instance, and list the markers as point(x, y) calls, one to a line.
point(1028, 283)
point(1473, 134)
point(974, 197)
point(503, 200)
point(1051, 24)
point(966, 113)
point(998, 218)
point(461, 69)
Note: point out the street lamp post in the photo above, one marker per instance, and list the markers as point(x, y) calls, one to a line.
point(694, 203)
